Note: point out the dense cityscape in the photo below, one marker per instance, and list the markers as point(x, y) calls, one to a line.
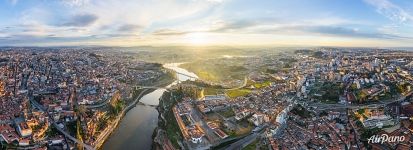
point(206, 75)
point(322, 98)
point(75, 92)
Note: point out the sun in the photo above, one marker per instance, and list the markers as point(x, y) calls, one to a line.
point(197, 38)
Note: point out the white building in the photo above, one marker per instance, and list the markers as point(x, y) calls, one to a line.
point(214, 97)
point(281, 117)
point(257, 119)
point(24, 129)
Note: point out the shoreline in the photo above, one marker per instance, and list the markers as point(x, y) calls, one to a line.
point(158, 132)
point(115, 123)
point(133, 104)
point(160, 138)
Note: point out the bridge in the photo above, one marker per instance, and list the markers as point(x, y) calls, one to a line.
point(107, 101)
point(45, 92)
point(102, 104)
point(165, 88)
point(143, 104)
point(97, 105)
point(189, 76)
point(153, 87)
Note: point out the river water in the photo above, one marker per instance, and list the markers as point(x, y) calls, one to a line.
point(136, 127)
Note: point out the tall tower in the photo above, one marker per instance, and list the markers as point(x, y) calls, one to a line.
point(2, 91)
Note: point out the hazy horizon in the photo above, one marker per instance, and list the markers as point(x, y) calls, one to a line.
point(243, 23)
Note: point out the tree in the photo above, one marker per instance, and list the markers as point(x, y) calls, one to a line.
point(78, 135)
point(359, 124)
point(318, 54)
point(361, 96)
point(323, 113)
point(81, 109)
point(361, 111)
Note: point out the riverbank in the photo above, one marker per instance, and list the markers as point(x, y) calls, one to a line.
point(136, 128)
point(113, 125)
point(163, 81)
point(167, 135)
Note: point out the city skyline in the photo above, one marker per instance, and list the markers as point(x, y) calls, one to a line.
point(361, 23)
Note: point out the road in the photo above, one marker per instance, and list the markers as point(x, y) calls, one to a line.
point(335, 131)
point(322, 106)
point(212, 138)
point(88, 147)
point(67, 135)
point(241, 86)
point(250, 138)
point(356, 133)
point(98, 105)
point(246, 140)
point(243, 142)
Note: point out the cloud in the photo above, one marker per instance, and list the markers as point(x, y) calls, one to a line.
point(80, 20)
point(390, 10)
point(129, 28)
point(13, 2)
point(265, 27)
point(75, 3)
point(215, 1)
point(235, 25)
point(351, 32)
point(168, 32)
point(338, 31)
point(174, 21)
point(105, 19)
point(216, 27)
point(41, 41)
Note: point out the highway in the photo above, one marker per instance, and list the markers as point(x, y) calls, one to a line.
point(242, 142)
point(322, 106)
point(246, 140)
point(251, 137)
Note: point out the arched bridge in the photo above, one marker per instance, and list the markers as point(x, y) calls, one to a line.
point(189, 76)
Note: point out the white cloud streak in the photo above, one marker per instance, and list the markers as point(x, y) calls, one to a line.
point(391, 10)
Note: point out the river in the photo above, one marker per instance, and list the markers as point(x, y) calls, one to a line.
point(136, 127)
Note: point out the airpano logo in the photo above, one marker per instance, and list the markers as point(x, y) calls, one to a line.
point(385, 138)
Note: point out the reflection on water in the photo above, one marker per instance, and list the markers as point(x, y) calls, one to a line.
point(174, 66)
point(136, 128)
point(155, 94)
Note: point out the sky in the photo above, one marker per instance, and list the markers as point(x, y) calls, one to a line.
point(353, 23)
